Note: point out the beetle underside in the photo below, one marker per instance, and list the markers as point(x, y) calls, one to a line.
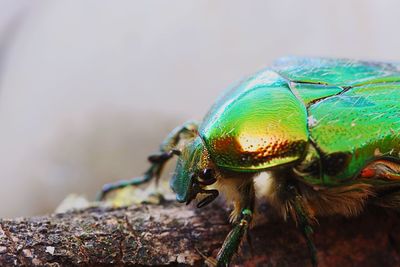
point(378, 184)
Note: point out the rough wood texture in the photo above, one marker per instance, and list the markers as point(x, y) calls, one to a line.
point(171, 234)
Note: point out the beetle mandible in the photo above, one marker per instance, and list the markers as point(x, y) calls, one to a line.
point(327, 129)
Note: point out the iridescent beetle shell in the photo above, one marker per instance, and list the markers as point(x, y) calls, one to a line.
point(257, 125)
point(341, 114)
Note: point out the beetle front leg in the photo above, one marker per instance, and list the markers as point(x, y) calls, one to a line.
point(235, 236)
point(158, 161)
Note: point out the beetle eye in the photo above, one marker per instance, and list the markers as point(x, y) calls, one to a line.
point(207, 174)
point(207, 177)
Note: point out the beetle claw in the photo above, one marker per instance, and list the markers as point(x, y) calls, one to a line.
point(208, 199)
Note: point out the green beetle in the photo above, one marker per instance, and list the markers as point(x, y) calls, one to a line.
point(328, 130)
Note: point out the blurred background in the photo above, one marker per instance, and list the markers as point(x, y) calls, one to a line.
point(89, 88)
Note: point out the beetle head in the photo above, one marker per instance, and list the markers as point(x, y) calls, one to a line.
point(193, 174)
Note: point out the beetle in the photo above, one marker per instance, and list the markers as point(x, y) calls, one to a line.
point(327, 130)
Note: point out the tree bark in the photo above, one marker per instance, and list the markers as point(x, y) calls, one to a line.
point(172, 234)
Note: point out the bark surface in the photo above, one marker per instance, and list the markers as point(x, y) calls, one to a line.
point(172, 234)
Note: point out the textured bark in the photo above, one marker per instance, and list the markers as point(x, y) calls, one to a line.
point(171, 234)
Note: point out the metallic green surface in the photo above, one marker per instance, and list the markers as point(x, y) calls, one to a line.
point(257, 125)
point(349, 110)
point(340, 72)
point(308, 92)
point(362, 123)
point(182, 178)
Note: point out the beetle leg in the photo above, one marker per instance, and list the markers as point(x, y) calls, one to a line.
point(304, 219)
point(167, 150)
point(157, 164)
point(235, 236)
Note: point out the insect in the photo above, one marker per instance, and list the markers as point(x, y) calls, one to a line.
point(328, 131)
